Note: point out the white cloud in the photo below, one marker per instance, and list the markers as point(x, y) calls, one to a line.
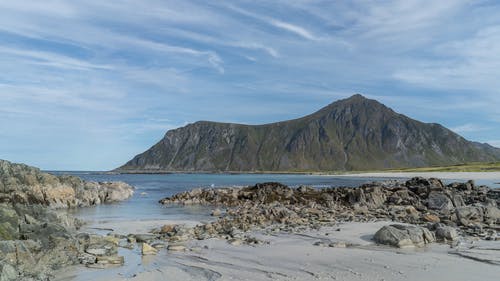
point(287, 26)
point(51, 59)
point(472, 63)
point(301, 31)
point(469, 127)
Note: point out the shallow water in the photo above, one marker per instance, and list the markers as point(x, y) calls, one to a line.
point(151, 188)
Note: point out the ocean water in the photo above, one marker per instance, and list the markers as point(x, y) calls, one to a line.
point(151, 188)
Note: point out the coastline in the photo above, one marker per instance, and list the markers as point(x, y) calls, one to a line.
point(294, 256)
point(441, 175)
point(340, 249)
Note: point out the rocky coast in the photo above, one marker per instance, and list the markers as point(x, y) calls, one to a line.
point(429, 209)
point(393, 230)
point(267, 231)
point(37, 238)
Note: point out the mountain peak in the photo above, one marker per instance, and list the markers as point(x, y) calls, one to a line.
point(355, 133)
point(357, 97)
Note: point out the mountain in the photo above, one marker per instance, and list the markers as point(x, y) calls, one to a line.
point(351, 134)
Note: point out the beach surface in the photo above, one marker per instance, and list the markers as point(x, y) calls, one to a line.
point(307, 256)
point(477, 176)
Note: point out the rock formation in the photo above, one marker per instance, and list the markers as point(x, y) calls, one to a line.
point(439, 210)
point(23, 184)
point(35, 240)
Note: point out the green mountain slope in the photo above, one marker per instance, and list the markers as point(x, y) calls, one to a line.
point(350, 134)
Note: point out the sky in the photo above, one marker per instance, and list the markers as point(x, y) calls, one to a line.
point(86, 85)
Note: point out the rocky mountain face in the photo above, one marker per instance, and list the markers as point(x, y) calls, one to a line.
point(351, 134)
point(34, 238)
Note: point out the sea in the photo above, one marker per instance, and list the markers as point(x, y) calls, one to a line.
point(150, 188)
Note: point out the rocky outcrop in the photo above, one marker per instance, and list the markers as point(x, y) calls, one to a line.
point(443, 210)
point(403, 236)
point(35, 240)
point(351, 134)
point(23, 184)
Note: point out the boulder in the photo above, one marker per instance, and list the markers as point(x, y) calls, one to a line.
point(402, 236)
point(469, 215)
point(439, 201)
point(148, 250)
point(491, 215)
point(446, 233)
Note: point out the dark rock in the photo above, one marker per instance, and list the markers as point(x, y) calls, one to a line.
point(439, 201)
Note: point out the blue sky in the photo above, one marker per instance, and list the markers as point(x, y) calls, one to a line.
point(86, 85)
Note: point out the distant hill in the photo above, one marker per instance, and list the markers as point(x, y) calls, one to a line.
point(351, 134)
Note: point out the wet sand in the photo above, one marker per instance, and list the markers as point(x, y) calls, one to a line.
point(295, 257)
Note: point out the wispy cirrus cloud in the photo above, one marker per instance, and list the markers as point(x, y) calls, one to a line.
point(111, 76)
point(301, 31)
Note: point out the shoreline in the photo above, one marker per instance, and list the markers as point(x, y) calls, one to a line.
point(297, 256)
point(305, 234)
point(441, 175)
point(423, 171)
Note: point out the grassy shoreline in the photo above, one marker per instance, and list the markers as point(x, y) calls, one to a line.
point(465, 167)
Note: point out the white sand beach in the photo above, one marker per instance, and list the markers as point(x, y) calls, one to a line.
point(440, 175)
point(295, 257)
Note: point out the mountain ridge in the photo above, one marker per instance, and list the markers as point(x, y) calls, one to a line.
point(349, 134)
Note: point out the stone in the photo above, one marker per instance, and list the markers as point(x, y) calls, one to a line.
point(469, 215)
point(491, 215)
point(159, 245)
point(148, 249)
point(86, 258)
point(112, 239)
point(446, 233)
point(402, 236)
point(167, 228)
point(431, 218)
point(439, 201)
point(216, 213)
point(108, 261)
point(235, 242)
point(102, 248)
point(147, 238)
